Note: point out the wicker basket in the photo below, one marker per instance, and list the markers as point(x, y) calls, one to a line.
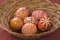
point(8, 8)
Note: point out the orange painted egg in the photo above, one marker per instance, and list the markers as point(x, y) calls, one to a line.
point(16, 23)
point(44, 23)
point(30, 20)
point(29, 29)
point(22, 13)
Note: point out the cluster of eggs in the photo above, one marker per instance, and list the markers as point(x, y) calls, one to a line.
point(29, 24)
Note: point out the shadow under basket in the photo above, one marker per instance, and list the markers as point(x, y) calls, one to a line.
point(9, 7)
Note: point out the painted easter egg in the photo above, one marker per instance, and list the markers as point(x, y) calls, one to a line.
point(30, 20)
point(39, 14)
point(29, 29)
point(16, 23)
point(44, 23)
point(22, 13)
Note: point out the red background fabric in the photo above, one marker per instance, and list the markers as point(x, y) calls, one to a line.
point(53, 36)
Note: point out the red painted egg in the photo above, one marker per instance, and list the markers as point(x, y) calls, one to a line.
point(44, 23)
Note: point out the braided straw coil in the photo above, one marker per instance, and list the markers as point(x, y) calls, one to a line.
point(8, 8)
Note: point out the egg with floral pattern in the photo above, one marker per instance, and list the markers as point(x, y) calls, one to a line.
point(22, 13)
point(39, 14)
point(29, 29)
point(30, 20)
point(16, 23)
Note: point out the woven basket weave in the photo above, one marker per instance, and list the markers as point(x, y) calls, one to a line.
point(8, 8)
